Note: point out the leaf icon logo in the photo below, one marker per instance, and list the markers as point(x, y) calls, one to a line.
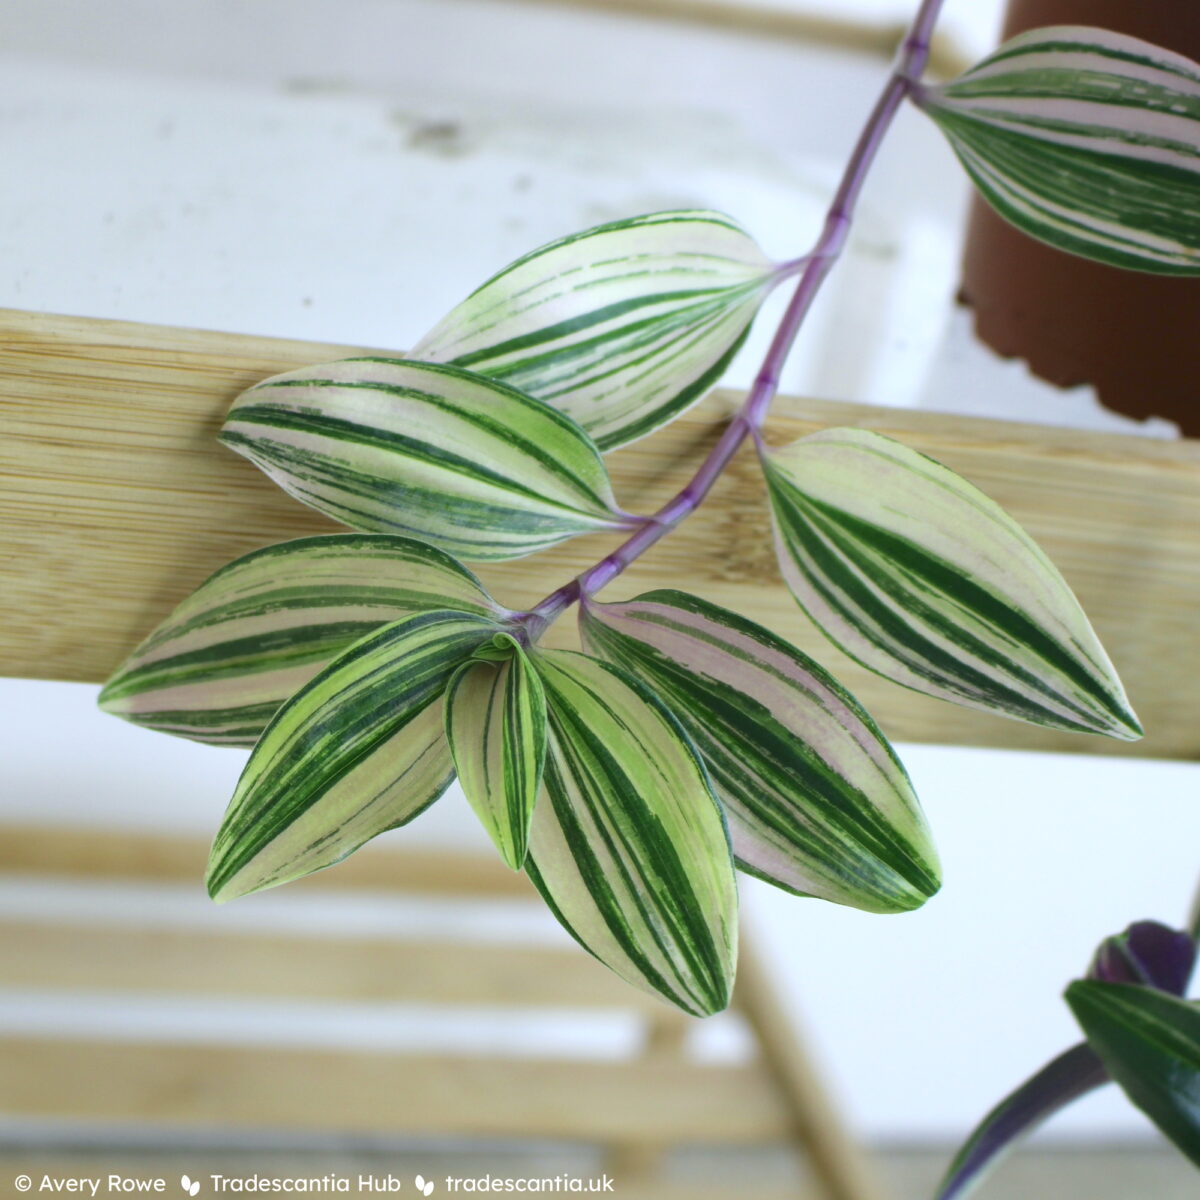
point(423, 1186)
point(189, 1185)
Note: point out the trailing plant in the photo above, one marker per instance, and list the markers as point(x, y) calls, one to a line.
point(369, 669)
point(1140, 1032)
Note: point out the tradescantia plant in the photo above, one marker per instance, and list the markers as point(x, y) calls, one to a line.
point(1140, 1032)
point(369, 669)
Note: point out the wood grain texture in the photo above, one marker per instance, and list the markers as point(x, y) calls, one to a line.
point(117, 501)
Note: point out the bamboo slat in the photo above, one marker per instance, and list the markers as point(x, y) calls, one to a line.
point(219, 1088)
point(117, 501)
point(199, 962)
point(137, 855)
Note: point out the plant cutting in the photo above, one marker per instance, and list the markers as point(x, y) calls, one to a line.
point(629, 780)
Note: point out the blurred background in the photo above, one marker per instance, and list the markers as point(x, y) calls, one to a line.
point(347, 171)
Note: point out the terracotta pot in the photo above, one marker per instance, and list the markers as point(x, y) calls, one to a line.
point(1134, 337)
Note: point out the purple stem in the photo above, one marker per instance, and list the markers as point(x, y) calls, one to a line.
point(904, 78)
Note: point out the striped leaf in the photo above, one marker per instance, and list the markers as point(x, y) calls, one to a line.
point(922, 578)
point(496, 725)
point(361, 749)
point(817, 801)
point(628, 845)
point(388, 445)
point(1086, 139)
point(1150, 1043)
point(623, 326)
point(217, 669)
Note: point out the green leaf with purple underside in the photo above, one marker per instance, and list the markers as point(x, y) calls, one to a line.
point(1150, 1043)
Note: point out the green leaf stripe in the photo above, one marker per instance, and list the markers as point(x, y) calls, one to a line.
point(622, 326)
point(470, 464)
point(1086, 139)
point(219, 667)
point(496, 726)
point(1150, 1043)
point(628, 845)
point(817, 801)
point(359, 750)
point(919, 576)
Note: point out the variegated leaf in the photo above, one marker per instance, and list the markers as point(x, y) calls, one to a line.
point(1150, 1043)
point(817, 801)
point(496, 725)
point(919, 576)
point(1086, 139)
point(468, 463)
point(628, 845)
point(251, 635)
point(623, 326)
point(361, 749)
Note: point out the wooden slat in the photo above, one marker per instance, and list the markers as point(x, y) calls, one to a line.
point(220, 1088)
point(836, 1159)
point(202, 962)
point(172, 858)
point(119, 501)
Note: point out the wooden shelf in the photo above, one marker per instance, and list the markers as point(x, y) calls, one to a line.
point(118, 500)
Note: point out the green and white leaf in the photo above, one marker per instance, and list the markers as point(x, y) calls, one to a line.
point(919, 576)
point(496, 725)
point(219, 667)
point(817, 801)
point(1086, 139)
point(628, 844)
point(359, 750)
point(1150, 1043)
point(384, 444)
point(622, 326)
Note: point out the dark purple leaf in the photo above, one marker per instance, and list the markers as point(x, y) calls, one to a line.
point(1072, 1074)
point(1149, 954)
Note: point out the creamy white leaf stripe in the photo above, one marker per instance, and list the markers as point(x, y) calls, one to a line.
point(628, 844)
point(496, 726)
point(218, 668)
point(622, 326)
point(919, 576)
point(1087, 139)
point(361, 749)
point(470, 464)
point(817, 801)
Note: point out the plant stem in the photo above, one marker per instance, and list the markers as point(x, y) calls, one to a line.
point(904, 78)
